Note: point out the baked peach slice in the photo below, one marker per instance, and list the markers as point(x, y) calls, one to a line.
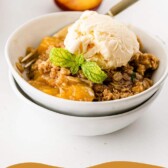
point(78, 5)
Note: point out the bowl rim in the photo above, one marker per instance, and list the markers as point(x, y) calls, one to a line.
point(47, 96)
point(18, 91)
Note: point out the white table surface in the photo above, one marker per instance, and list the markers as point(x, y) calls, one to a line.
point(28, 140)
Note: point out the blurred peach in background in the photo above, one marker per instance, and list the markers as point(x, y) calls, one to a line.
point(78, 5)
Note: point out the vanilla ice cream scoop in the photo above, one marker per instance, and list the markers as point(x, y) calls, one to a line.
point(102, 39)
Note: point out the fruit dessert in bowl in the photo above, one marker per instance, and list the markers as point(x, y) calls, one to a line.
point(96, 66)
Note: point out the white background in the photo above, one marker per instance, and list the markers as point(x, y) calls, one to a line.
point(24, 138)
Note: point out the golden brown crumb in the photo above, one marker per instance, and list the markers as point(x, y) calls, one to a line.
point(19, 67)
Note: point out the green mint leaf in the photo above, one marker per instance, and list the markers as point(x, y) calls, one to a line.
point(93, 72)
point(74, 69)
point(80, 59)
point(61, 57)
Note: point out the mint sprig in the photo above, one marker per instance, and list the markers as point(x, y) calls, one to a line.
point(93, 72)
point(63, 58)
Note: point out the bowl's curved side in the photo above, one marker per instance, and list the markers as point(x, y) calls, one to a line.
point(34, 30)
point(83, 126)
point(155, 46)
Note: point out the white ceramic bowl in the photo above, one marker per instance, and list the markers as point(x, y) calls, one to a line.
point(33, 31)
point(83, 126)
